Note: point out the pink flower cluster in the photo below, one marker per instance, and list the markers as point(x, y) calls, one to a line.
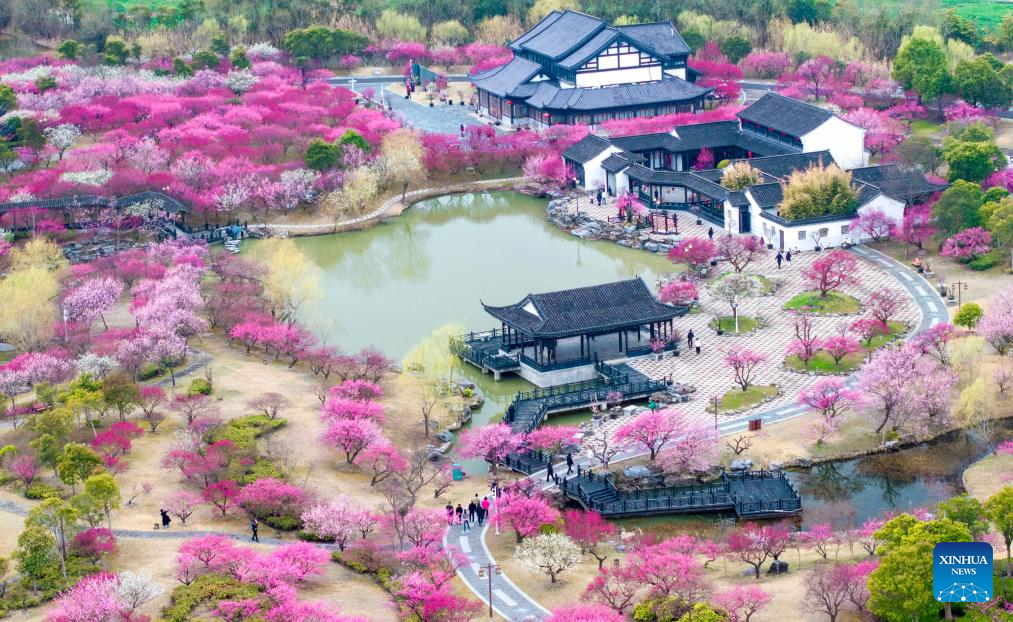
point(31, 368)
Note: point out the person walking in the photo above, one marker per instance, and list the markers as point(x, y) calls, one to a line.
point(165, 519)
point(690, 337)
point(254, 526)
point(485, 505)
point(779, 258)
point(549, 473)
point(462, 130)
point(472, 509)
point(788, 257)
point(710, 232)
point(450, 513)
point(480, 512)
point(569, 462)
point(465, 523)
point(459, 512)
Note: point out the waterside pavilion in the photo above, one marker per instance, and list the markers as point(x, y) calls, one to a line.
point(559, 337)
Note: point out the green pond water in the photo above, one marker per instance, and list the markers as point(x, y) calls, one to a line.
point(393, 284)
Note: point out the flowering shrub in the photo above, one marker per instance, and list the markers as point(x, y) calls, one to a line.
point(967, 245)
point(765, 64)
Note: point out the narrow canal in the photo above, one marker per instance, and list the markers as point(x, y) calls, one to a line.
point(392, 284)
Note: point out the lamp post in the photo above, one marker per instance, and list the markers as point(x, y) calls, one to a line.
point(66, 317)
point(714, 401)
point(735, 312)
point(486, 571)
point(957, 287)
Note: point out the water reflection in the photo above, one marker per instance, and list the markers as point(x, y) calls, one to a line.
point(393, 283)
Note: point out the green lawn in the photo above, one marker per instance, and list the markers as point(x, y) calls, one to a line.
point(835, 302)
point(737, 398)
point(766, 285)
point(823, 362)
point(924, 127)
point(727, 324)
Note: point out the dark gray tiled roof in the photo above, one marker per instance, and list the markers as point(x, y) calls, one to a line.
point(586, 309)
point(647, 142)
point(678, 178)
point(562, 33)
point(587, 51)
point(549, 96)
point(714, 134)
point(660, 37)
point(586, 149)
point(781, 166)
point(767, 195)
point(504, 79)
point(895, 182)
point(866, 193)
point(619, 161)
point(785, 114)
point(762, 146)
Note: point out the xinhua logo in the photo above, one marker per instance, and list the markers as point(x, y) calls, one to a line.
point(962, 572)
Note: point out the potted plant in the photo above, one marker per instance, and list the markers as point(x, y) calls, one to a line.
point(658, 348)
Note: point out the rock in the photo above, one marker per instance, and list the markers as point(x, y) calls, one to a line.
point(892, 445)
point(742, 464)
point(804, 463)
point(652, 246)
point(630, 410)
point(775, 466)
point(445, 436)
point(636, 472)
point(778, 567)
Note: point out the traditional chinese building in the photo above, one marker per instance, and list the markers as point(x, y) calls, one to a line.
point(559, 337)
point(573, 68)
point(778, 136)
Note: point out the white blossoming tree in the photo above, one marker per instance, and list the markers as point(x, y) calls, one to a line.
point(62, 137)
point(135, 589)
point(550, 553)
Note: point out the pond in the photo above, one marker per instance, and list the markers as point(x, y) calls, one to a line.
point(394, 283)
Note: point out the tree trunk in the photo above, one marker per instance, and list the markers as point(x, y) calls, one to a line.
point(886, 417)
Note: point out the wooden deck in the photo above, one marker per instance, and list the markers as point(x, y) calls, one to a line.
point(750, 495)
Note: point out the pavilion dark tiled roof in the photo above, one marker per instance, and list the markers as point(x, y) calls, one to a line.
point(785, 114)
point(661, 37)
point(619, 161)
point(505, 79)
point(586, 149)
point(587, 51)
point(558, 34)
point(584, 310)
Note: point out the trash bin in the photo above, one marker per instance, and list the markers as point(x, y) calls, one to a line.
point(457, 471)
point(755, 424)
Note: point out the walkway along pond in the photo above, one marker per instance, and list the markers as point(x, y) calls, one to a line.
point(392, 284)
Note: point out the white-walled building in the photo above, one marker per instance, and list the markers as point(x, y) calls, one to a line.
point(777, 135)
point(574, 68)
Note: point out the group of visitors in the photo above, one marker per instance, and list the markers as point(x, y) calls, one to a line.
point(475, 513)
point(780, 257)
point(550, 472)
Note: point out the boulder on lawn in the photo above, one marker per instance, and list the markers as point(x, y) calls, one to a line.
point(636, 472)
point(742, 464)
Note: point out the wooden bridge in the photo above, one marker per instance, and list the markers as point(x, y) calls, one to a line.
point(529, 408)
point(750, 494)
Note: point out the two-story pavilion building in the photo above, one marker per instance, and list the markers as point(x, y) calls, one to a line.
point(573, 68)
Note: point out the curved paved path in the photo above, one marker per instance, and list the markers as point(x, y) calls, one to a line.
point(513, 604)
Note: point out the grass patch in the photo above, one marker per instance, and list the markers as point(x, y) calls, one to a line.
point(737, 399)
point(727, 323)
point(766, 285)
point(822, 362)
point(835, 302)
point(924, 127)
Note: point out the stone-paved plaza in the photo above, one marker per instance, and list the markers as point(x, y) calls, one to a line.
point(707, 371)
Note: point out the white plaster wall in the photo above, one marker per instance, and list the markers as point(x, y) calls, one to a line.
point(846, 142)
point(594, 174)
point(891, 207)
point(678, 73)
point(619, 76)
point(561, 376)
